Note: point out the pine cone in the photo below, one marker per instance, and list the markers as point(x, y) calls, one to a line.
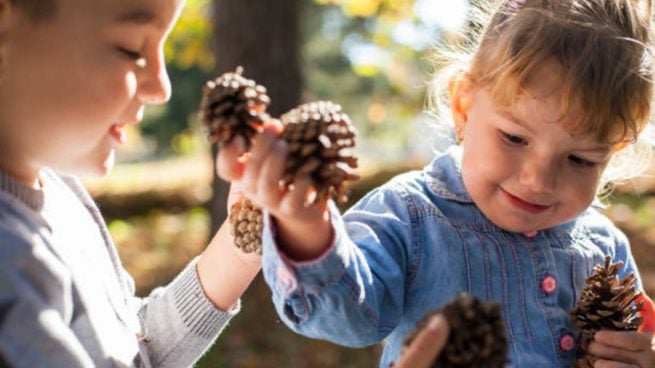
point(319, 136)
point(606, 303)
point(320, 139)
point(233, 105)
point(246, 226)
point(477, 334)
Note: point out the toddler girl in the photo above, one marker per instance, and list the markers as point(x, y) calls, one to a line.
point(555, 93)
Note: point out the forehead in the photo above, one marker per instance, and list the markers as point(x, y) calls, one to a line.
point(158, 13)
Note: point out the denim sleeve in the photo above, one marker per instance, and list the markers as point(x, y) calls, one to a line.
point(353, 293)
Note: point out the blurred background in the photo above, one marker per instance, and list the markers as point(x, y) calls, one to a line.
point(163, 200)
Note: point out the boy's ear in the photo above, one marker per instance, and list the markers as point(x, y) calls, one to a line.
point(460, 90)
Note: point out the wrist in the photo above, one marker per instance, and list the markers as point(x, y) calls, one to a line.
point(304, 240)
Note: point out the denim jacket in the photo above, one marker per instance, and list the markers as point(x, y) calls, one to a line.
point(411, 245)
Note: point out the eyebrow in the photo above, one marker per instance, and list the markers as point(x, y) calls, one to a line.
point(602, 149)
point(514, 119)
point(140, 16)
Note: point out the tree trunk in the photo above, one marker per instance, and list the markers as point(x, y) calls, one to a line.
point(263, 37)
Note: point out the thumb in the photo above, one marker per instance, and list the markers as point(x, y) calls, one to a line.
point(427, 345)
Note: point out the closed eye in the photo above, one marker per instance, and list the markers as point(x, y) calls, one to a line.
point(134, 55)
point(581, 162)
point(513, 140)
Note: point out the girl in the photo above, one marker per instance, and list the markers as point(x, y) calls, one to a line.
point(555, 93)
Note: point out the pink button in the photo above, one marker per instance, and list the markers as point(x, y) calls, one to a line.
point(549, 284)
point(567, 342)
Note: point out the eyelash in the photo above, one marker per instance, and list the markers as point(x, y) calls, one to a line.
point(581, 162)
point(133, 55)
point(513, 140)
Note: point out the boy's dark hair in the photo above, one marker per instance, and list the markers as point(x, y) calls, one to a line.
point(37, 10)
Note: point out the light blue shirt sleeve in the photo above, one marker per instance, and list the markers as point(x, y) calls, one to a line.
point(352, 294)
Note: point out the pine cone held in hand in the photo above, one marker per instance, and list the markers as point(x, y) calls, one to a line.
point(477, 334)
point(606, 303)
point(320, 139)
point(232, 105)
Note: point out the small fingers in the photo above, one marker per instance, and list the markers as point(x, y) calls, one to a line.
point(268, 183)
point(610, 356)
point(629, 340)
point(261, 150)
point(601, 363)
point(426, 346)
point(230, 160)
point(296, 199)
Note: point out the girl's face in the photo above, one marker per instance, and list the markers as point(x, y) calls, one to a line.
point(70, 84)
point(522, 168)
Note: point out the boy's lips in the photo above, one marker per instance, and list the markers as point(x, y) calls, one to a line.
point(524, 205)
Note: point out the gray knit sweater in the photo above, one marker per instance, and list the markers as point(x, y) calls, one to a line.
point(66, 301)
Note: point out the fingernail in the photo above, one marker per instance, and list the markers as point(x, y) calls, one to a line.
point(435, 322)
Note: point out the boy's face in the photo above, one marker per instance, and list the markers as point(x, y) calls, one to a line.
point(70, 84)
point(521, 166)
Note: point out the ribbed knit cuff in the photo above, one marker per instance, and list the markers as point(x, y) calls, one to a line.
point(196, 310)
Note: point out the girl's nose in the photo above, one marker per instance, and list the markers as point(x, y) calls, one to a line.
point(539, 175)
point(154, 84)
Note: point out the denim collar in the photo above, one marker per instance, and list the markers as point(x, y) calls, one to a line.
point(444, 175)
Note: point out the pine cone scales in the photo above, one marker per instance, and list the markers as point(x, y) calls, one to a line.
point(246, 226)
point(318, 134)
point(477, 334)
point(606, 303)
point(233, 105)
point(319, 137)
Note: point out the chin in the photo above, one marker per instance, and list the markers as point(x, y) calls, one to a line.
point(91, 168)
point(515, 226)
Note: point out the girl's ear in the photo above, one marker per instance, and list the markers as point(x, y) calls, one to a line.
point(460, 90)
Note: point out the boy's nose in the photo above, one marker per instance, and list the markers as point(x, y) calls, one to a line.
point(154, 84)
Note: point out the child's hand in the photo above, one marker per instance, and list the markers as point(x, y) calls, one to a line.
point(426, 346)
point(619, 349)
point(258, 173)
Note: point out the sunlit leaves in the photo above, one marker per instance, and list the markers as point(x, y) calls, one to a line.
point(189, 42)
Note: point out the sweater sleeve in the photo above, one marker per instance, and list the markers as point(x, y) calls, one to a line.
point(34, 304)
point(180, 322)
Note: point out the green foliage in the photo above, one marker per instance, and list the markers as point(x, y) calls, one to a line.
point(351, 54)
point(189, 43)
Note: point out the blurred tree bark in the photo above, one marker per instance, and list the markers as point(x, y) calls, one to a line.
point(263, 37)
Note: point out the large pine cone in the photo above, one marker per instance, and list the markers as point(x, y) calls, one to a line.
point(477, 334)
point(606, 303)
point(320, 139)
point(233, 105)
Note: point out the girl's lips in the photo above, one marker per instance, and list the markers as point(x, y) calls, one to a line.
point(523, 205)
point(117, 131)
